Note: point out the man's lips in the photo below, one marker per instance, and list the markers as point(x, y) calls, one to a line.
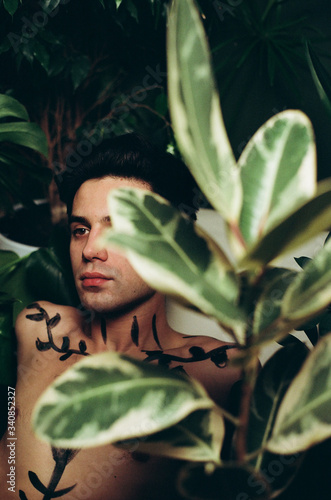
point(93, 279)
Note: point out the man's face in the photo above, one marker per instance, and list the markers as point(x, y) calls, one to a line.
point(105, 280)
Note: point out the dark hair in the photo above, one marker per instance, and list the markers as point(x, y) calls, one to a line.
point(133, 156)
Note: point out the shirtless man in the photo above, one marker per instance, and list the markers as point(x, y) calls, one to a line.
point(126, 316)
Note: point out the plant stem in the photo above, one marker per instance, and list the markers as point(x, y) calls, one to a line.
point(249, 377)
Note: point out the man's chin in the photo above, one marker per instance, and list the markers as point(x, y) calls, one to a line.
point(114, 310)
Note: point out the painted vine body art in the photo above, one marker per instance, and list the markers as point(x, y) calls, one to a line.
point(62, 457)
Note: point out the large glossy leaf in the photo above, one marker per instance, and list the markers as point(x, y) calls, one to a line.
point(11, 6)
point(271, 386)
point(49, 278)
point(320, 77)
point(195, 111)
point(278, 172)
point(109, 397)
point(310, 292)
point(197, 438)
point(35, 170)
point(230, 481)
point(7, 260)
point(172, 257)
point(13, 279)
point(309, 220)
point(304, 417)
point(11, 107)
point(44, 273)
point(25, 134)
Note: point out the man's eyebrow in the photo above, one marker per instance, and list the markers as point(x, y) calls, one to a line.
point(83, 220)
point(77, 218)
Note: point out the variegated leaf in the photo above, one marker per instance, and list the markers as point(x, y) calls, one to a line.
point(304, 417)
point(271, 386)
point(109, 397)
point(196, 114)
point(268, 323)
point(310, 292)
point(309, 220)
point(197, 438)
point(278, 172)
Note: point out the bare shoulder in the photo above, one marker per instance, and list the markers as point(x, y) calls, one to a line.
point(40, 315)
point(219, 351)
point(212, 364)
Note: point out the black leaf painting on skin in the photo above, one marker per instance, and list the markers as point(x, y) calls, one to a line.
point(50, 324)
point(103, 330)
point(155, 335)
point(61, 457)
point(35, 317)
point(218, 356)
point(54, 321)
point(65, 343)
point(135, 331)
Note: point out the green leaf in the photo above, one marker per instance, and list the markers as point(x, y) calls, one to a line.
point(312, 218)
point(271, 386)
point(41, 54)
point(304, 417)
point(35, 170)
point(317, 70)
point(161, 104)
point(197, 438)
point(45, 273)
point(310, 292)
point(230, 481)
point(171, 256)
point(196, 114)
point(79, 70)
point(13, 281)
point(48, 278)
point(25, 134)
point(132, 9)
point(302, 261)
point(11, 107)
point(278, 173)
point(10, 6)
point(7, 259)
point(109, 397)
point(49, 5)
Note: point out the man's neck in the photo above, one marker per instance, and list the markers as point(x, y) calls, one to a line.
point(143, 328)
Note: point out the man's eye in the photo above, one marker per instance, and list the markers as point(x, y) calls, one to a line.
point(79, 231)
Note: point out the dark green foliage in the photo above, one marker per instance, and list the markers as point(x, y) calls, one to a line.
point(46, 274)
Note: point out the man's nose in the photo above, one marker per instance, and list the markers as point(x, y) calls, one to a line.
point(93, 250)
